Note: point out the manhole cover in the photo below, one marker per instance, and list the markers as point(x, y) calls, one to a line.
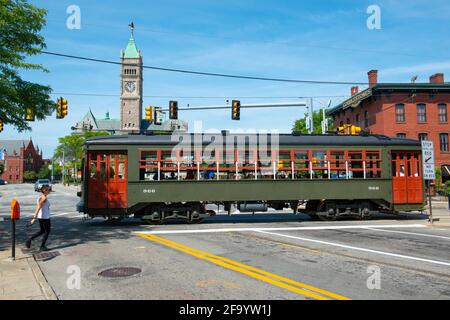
point(46, 255)
point(119, 272)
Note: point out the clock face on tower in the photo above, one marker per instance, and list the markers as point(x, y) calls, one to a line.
point(130, 86)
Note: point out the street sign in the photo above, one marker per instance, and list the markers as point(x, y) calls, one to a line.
point(308, 123)
point(159, 116)
point(428, 160)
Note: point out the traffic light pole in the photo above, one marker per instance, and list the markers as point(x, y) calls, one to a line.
point(246, 106)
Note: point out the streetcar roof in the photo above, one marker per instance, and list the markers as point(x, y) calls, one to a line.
point(284, 139)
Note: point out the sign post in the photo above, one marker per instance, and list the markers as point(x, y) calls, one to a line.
point(428, 172)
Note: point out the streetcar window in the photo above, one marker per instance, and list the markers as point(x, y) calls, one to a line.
point(247, 164)
point(93, 170)
point(112, 164)
point(373, 164)
point(253, 164)
point(337, 164)
point(121, 171)
point(402, 170)
point(284, 169)
point(148, 165)
point(319, 165)
point(301, 165)
point(187, 167)
point(355, 164)
point(103, 170)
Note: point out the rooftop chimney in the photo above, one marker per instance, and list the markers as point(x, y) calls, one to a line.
point(354, 90)
point(373, 77)
point(437, 78)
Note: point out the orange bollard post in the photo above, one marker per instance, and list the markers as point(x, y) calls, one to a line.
point(15, 215)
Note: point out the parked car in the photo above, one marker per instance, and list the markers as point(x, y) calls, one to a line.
point(40, 183)
point(3, 182)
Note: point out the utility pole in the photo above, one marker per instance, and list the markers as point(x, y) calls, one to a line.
point(324, 119)
point(312, 115)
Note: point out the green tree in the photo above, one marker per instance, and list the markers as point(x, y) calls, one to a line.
point(29, 175)
point(44, 173)
point(20, 24)
point(300, 125)
point(72, 147)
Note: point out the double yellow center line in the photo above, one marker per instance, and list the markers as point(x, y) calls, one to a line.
point(279, 281)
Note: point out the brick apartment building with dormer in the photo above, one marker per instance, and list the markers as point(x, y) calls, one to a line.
point(407, 110)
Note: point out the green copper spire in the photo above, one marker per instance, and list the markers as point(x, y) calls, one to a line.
point(131, 51)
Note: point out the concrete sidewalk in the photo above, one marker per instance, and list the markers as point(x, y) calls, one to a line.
point(22, 279)
point(441, 212)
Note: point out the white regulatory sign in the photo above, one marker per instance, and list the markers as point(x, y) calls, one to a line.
point(428, 160)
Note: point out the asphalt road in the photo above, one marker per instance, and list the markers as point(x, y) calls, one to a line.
point(265, 256)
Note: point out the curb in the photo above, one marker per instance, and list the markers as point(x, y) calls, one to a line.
point(41, 280)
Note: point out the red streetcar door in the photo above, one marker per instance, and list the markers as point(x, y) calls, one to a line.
point(117, 181)
point(414, 178)
point(107, 187)
point(407, 184)
point(97, 181)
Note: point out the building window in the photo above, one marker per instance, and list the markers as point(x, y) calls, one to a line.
point(357, 118)
point(442, 112)
point(421, 112)
point(400, 112)
point(443, 138)
point(348, 120)
point(401, 135)
point(341, 123)
point(423, 136)
point(366, 119)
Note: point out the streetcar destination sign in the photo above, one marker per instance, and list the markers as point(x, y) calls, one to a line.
point(428, 160)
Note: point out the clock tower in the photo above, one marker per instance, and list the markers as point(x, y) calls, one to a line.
point(131, 79)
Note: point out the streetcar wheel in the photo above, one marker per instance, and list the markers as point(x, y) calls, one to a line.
point(324, 216)
point(194, 218)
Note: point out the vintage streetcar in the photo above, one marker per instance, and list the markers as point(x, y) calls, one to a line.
point(152, 178)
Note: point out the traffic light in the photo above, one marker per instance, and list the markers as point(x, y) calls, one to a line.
point(1, 125)
point(349, 129)
point(58, 109)
point(355, 130)
point(173, 110)
point(29, 114)
point(64, 108)
point(149, 114)
point(236, 110)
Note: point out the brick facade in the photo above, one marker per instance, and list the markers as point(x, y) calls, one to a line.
point(409, 110)
point(19, 156)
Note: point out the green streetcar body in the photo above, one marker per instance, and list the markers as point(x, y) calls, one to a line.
point(142, 194)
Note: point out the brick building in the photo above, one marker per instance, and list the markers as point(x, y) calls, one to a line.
point(407, 110)
point(18, 156)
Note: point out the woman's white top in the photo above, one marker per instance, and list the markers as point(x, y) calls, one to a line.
point(44, 212)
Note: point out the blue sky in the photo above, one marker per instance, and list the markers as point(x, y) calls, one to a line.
point(315, 40)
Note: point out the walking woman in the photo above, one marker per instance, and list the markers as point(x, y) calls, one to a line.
point(42, 213)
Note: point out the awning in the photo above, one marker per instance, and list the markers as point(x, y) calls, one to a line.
point(445, 172)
